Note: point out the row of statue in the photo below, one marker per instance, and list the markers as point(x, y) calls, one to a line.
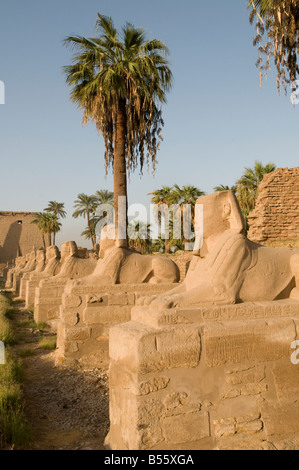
point(228, 268)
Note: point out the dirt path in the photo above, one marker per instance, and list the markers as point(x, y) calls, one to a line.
point(67, 409)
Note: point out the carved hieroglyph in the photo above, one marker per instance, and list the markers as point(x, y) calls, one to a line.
point(229, 268)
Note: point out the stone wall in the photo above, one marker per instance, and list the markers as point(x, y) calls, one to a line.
point(18, 235)
point(276, 215)
point(205, 378)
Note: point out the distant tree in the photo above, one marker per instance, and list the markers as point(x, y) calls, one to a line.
point(162, 198)
point(47, 224)
point(187, 195)
point(139, 234)
point(57, 209)
point(247, 186)
point(222, 187)
point(85, 207)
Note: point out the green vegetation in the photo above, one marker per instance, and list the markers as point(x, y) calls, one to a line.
point(278, 21)
point(120, 81)
point(56, 209)
point(14, 432)
point(246, 188)
point(6, 330)
point(48, 343)
point(164, 198)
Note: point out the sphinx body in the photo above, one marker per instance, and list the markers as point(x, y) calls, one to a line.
point(122, 265)
point(20, 263)
point(229, 268)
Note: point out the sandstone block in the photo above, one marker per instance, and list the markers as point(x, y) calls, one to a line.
point(186, 427)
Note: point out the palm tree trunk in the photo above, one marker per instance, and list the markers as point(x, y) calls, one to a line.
point(89, 228)
point(167, 245)
point(44, 241)
point(120, 175)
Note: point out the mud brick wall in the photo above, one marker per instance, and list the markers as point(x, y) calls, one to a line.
point(276, 215)
point(18, 236)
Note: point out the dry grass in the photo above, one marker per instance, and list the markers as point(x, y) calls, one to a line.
point(13, 428)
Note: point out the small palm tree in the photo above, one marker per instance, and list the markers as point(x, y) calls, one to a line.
point(119, 82)
point(85, 207)
point(247, 186)
point(162, 198)
point(103, 196)
point(223, 187)
point(139, 234)
point(57, 209)
point(47, 224)
point(187, 195)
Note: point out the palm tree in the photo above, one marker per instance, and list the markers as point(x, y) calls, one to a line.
point(47, 224)
point(187, 195)
point(119, 83)
point(163, 199)
point(85, 207)
point(140, 235)
point(279, 21)
point(57, 209)
point(247, 186)
point(223, 187)
point(103, 196)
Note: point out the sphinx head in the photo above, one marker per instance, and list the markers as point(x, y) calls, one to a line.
point(68, 249)
point(107, 240)
point(220, 213)
point(52, 253)
point(40, 256)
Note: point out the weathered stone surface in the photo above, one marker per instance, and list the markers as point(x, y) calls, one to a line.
point(186, 428)
point(111, 314)
point(254, 341)
point(153, 385)
point(77, 334)
point(276, 214)
point(72, 301)
point(153, 350)
point(71, 319)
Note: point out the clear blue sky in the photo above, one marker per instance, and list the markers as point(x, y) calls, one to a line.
point(217, 119)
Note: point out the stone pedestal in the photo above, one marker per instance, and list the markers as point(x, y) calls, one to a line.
point(205, 378)
point(86, 315)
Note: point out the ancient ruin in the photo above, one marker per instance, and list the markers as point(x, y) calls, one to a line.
point(18, 236)
point(40, 260)
point(276, 214)
point(205, 365)
point(48, 293)
point(51, 268)
point(92, 304)
point(198, 358)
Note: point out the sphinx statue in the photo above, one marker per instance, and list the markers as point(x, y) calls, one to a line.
point(48, 294)
point(119, 264)
point(30, 266)
point(20, 263)
point(229, 268)
point(51, 268)
point(40, 259)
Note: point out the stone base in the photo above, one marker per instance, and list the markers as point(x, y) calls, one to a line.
point(86, 315)
point(48, 298)
point(205, 378)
